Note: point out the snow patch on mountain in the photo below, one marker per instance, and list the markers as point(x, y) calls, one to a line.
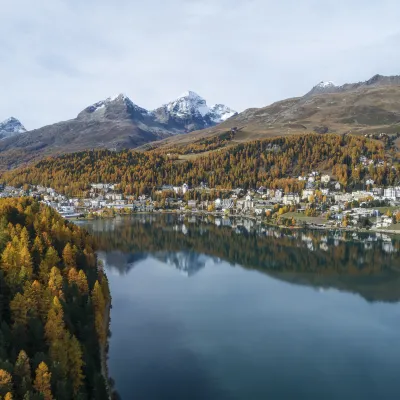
point(326, 84)
point(220, 113)
point(118, 98)
point(11, 127)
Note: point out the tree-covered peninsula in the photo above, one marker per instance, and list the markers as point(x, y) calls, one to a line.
point(54, 307)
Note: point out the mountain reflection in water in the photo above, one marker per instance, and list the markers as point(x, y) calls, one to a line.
point(366, 264)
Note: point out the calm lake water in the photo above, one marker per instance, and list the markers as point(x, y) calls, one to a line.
point(220, 309)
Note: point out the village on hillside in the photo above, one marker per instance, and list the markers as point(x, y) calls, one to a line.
point(323, 203)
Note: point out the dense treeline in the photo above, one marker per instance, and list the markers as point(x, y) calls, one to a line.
point(54, 302)
point(269, 162)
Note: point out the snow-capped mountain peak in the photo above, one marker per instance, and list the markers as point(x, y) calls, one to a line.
point(323, 87)
point(190, 95)
point(10, 127)
point(188, 103)
point(190, 106)
point(187, 113)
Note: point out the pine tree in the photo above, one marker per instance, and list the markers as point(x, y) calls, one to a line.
point(22, 373)
point(19, 309)
point(39, 299)
point(42, 381)
point(56, 335)
point(75, 363)
point(37, 250)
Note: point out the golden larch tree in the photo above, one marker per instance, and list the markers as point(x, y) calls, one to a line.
point(42, 381)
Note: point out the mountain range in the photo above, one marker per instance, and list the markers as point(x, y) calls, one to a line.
point(114, 123)
point(370, 106)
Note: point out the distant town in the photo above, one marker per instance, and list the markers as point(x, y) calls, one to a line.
point(323, 203)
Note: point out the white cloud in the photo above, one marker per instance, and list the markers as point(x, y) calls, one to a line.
point(59, 56)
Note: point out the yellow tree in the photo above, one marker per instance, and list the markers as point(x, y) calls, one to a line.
point(25, 263)
point(10, 262)
point(73, 276)
point(79, 279)
point(42, 381)
point(105, 288)
point(24, 237)
point(5, 382)
point(69, 256)
point(82, 283)
point(55, 282)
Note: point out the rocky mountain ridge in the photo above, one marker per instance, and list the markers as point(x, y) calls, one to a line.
point(114, 123)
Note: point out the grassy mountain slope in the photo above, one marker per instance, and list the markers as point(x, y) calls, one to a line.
point(360, 111)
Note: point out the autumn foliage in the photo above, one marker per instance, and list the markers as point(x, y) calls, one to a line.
point(272, 162)
point(50, 312)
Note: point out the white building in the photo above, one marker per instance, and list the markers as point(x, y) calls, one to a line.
point(307, 193)
point(391, 193)
point(325, 178)
point(185, 188)
point(291, 199)
point(362, 194)
point(181, 189)
point(343, 197)
point(248, 204)
point(66, 209)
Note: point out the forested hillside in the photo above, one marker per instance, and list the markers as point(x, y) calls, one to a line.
point(272, 162)
point(54, 302)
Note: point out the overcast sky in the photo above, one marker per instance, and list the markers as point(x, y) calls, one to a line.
point(59, 56)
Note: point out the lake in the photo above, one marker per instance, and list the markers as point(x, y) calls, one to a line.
point(212, 308)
